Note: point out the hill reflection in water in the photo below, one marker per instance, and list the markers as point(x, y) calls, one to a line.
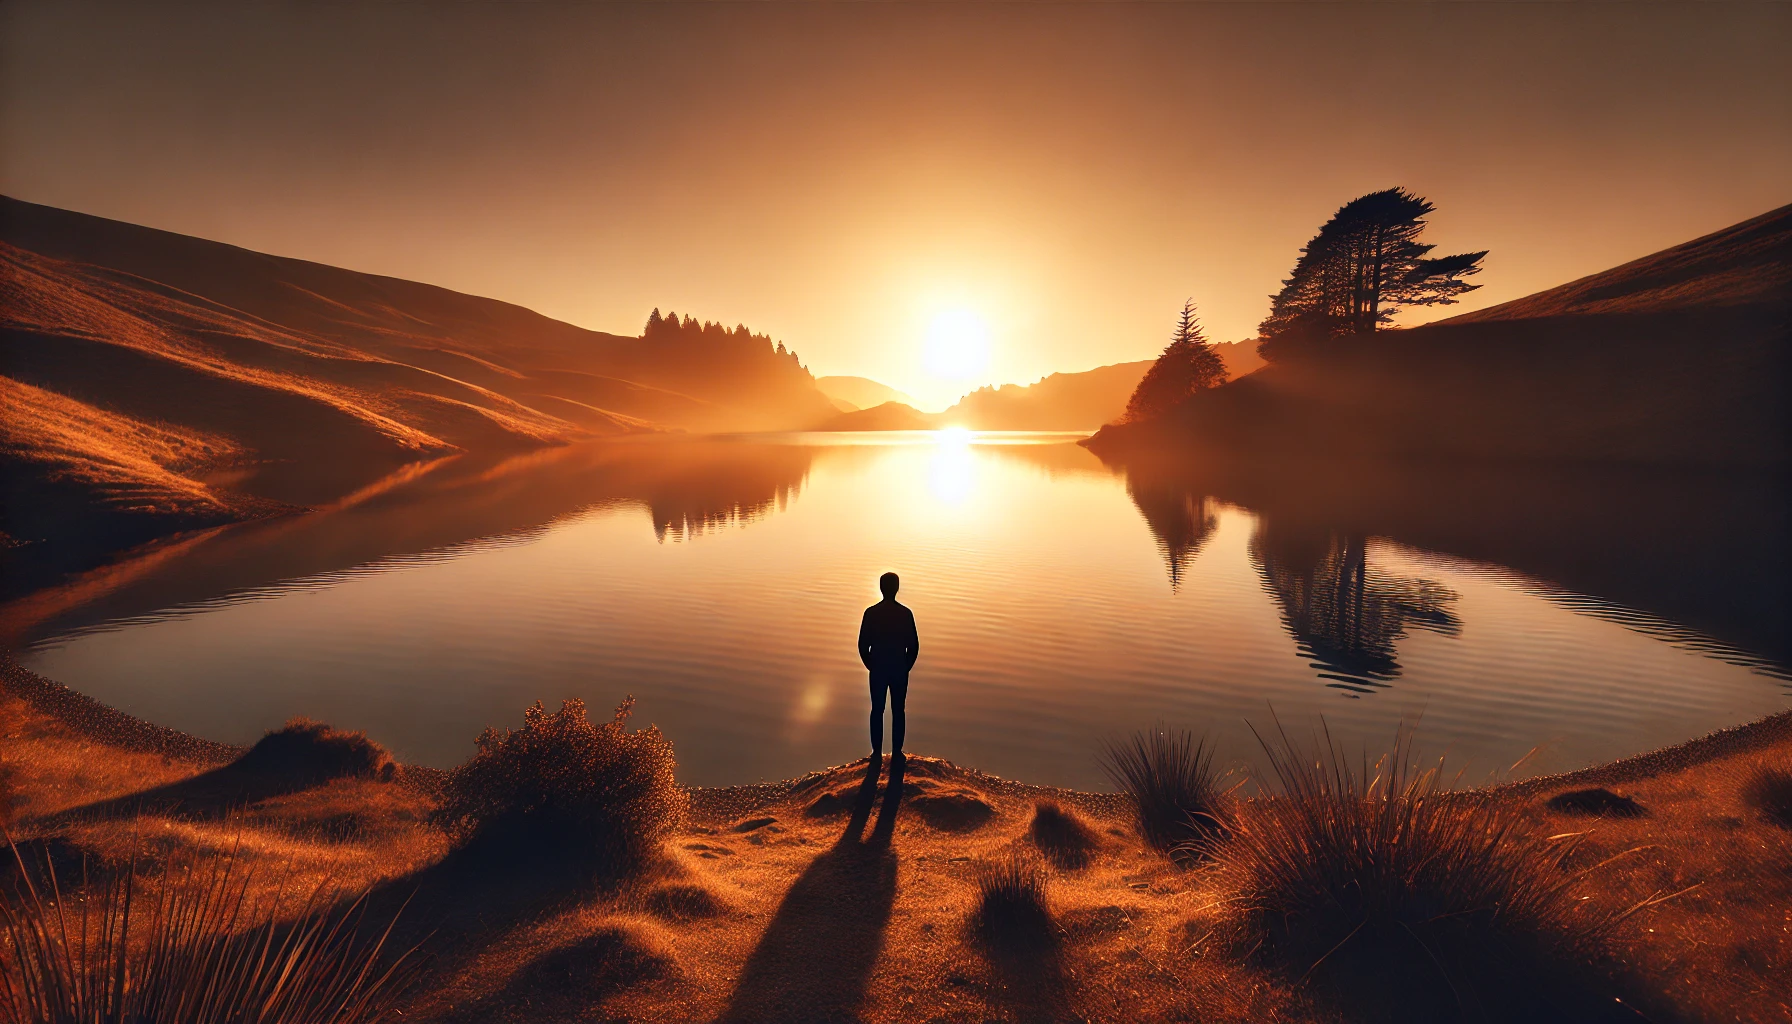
point(720, 581)
point(428, 511)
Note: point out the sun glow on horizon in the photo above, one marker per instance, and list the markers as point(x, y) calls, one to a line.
point(957, 347)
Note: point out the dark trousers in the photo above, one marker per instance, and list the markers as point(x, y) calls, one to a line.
point(895, 685)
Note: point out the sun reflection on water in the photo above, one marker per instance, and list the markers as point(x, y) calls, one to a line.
point(951, 474)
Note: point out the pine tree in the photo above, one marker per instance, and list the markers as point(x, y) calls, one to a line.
point(1188, 364)
point(1365, 265)
point(654, 323)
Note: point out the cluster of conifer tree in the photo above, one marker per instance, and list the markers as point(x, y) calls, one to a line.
point(670, 329)
point(1365, 264)
point(1188, 364)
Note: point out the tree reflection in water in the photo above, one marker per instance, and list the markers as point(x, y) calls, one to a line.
point(1181, 520)
point(1345, 615)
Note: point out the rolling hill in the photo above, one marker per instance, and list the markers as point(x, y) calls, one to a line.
point(860, 392)
point(152, 381)
point(1681, 357)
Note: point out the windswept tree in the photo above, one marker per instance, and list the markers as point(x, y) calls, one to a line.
point(1365, 265)
point(1188, 365)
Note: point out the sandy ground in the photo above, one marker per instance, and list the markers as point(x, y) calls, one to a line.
point(820, 899)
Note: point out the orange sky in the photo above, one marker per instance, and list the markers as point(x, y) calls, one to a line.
point(837, 174)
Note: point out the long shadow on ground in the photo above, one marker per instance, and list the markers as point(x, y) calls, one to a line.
point(815, 959)
point(300, 756)
point(1028, 971)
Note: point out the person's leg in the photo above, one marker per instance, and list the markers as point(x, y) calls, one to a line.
point(878, 686)
point(898, 714)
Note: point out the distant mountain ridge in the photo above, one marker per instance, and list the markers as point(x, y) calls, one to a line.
point(1081, 400)
point(1061, 401)
point(1680, 357)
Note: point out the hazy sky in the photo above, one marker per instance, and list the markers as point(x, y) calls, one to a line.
point(838, 175)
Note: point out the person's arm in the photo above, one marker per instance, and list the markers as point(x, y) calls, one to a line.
point(865, 638)
point(914, 641)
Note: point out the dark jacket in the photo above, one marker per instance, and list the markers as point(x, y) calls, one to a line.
point(887, 638)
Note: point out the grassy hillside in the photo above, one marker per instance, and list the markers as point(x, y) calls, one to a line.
point(140, 370)
point(1676, 358)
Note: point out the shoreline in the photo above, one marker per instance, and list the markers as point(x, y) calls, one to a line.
point(103, 723)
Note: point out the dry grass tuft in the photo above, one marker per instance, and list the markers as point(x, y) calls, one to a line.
point(1062, 835)
point(1407, 900)
point(1770, 791)
point(1012, 911)
point(191, 945)
point(8, 795)
point(598, 794)
point(1175, 793)
point(312, 752)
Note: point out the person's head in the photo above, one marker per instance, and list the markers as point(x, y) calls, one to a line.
point(889, 583)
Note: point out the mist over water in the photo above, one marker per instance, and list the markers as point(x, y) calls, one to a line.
point(1060, 601)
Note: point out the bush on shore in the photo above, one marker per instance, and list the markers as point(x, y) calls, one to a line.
point(1408, 901)
point(1177, 801)
point(598, 794)
point(314, 752)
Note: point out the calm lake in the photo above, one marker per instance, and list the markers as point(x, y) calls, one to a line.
point(1543, 620)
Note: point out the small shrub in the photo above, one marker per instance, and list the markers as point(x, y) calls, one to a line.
point(1175, 794)
point(1011, 902)
point(312, 752)
point(1409, 899)
point(600, 794)
point(1597, 802)
point(1770, 791)
point(1062, 835)
point(188, 945)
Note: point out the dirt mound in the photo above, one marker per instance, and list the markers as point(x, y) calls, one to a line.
point(955, 810)
point(681, 901)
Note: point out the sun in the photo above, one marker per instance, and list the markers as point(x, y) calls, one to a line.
point(957, 345)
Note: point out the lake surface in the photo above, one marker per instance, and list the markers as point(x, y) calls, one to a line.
point(1538, 620)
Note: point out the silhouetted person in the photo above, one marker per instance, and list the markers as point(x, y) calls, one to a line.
point(888, 645)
